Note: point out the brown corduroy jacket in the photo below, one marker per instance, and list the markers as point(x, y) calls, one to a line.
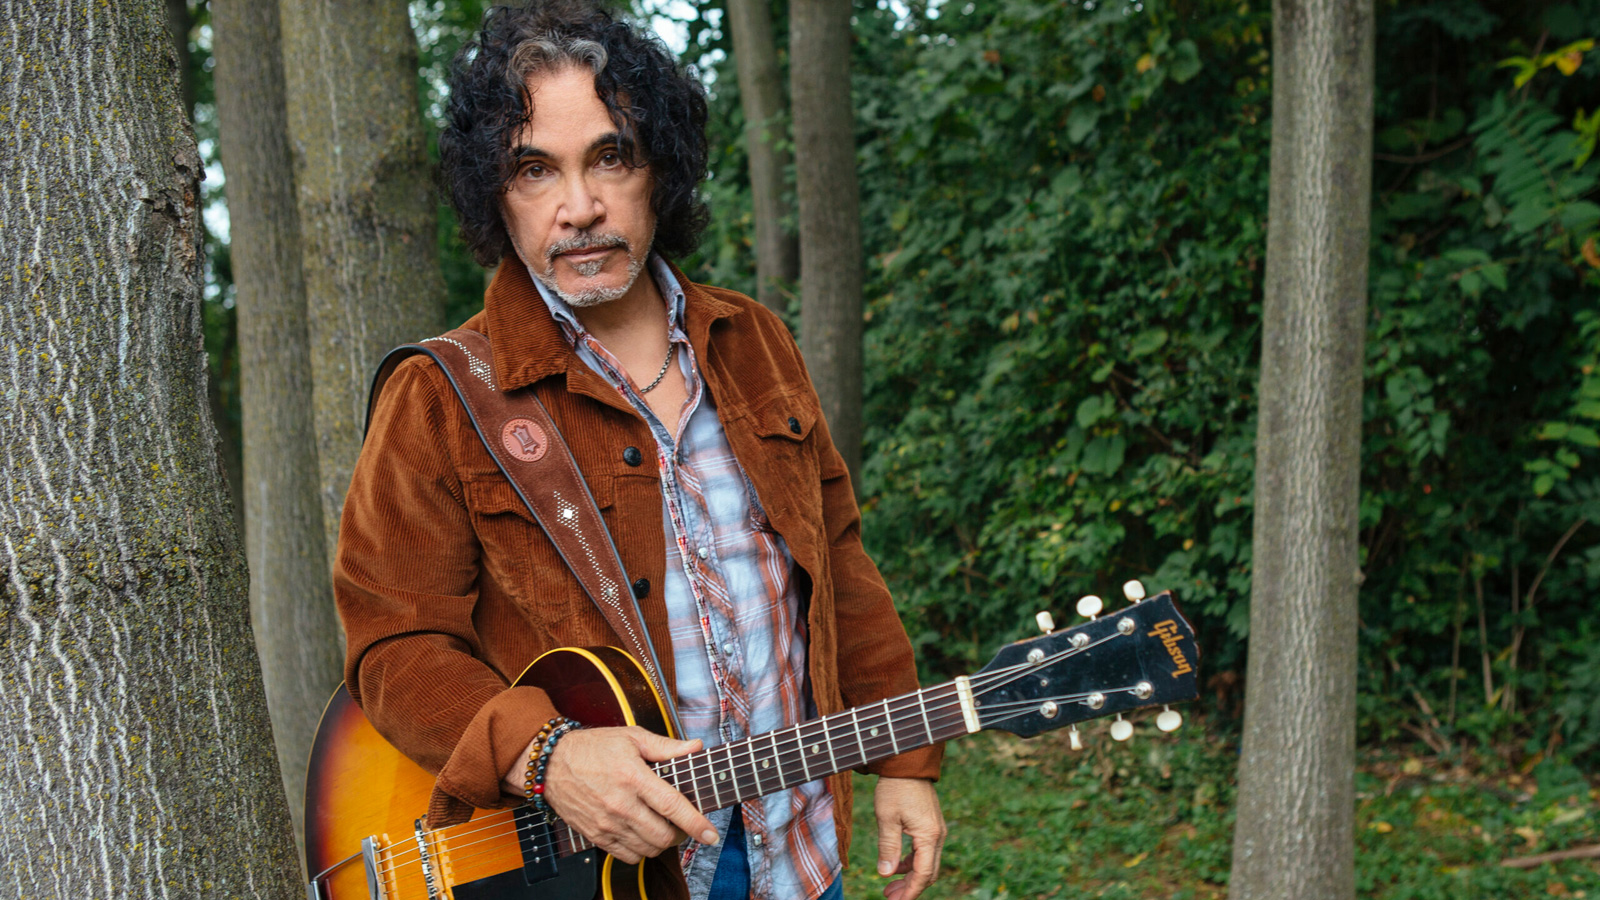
point(449, 589)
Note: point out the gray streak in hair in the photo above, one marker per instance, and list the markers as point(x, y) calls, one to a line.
point(542, 54)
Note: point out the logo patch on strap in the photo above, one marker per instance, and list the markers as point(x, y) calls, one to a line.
point(524, 439)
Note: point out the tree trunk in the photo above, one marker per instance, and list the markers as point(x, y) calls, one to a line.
point(291, 600)
point(830, 215)
point(367, 211)
point(136, 744)
point(761, 97)
point(1295, 830)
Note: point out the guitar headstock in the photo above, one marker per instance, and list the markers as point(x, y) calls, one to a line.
point(1141, 656)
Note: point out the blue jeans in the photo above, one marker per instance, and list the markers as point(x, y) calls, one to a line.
point(731, 881)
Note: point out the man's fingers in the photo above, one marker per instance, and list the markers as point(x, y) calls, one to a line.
point(676, 809)
point(889, 848)
point(656, 748)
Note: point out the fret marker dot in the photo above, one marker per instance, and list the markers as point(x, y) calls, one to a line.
point(723, 776)
point(766, 764)
point(816, 748)
point(873, 732)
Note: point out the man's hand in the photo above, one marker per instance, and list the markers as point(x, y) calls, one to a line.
point(908, 806)
point(598, 780)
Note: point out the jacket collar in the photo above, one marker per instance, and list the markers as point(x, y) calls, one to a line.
point(528, 343)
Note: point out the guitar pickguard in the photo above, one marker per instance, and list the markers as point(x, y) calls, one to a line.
point(575, 880)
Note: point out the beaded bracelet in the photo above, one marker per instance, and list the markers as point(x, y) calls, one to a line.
point(539, 760)
point(534, 751)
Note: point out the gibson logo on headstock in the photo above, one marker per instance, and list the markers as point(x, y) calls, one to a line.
point(1168, 633)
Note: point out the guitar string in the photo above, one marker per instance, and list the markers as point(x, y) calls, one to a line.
point(1023, 708)
point(982, 683)
point(792, 748)
point(794, 744)
point(502, 823)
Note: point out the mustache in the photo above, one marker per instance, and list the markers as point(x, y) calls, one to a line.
point(586, 241)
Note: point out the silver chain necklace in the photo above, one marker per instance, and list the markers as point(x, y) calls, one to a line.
point(671, 349)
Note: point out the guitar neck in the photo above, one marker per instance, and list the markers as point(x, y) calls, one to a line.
point(778, 760)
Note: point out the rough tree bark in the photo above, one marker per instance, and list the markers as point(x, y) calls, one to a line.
point(367, 210)
point(761, 97)
point(291, 601)
point(1295, 831)
point(134, 738)
point(830, 215)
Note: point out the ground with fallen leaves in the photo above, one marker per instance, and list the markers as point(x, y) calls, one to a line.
point(1153, 818)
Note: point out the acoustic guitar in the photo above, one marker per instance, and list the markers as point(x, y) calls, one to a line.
point(365, 837)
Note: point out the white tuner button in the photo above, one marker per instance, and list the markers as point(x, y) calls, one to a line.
point(1047, 622)
point(1169, 720)
point(1121, 729)
point(1089, 606)
point(1074, 739)
point(1134, 591)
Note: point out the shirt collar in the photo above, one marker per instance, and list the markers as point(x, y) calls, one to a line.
point(666, 283)
point(527, 337)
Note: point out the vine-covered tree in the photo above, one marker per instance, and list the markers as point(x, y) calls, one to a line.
point(1295, 835)
point(291, 601)
point(137, 754)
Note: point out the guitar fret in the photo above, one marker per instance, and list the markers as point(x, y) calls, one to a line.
point(923, 705)
point(777, 760)
point(855, 722)
point(732, 774)
point(888, 724)
point(800, 739)
point(828, 742)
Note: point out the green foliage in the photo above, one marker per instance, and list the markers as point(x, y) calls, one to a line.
point(1065, 224)
point(1154, 818)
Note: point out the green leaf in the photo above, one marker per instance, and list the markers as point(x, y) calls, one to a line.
point(1103, 455)
point(1148, 341)
point(1553, 431)
point(1081, 121)
point(1543, 484)
point(1092, 410)
point(1583, 436)
point(1185, 62)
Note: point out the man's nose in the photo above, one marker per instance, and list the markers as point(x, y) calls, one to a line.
point(580, 205)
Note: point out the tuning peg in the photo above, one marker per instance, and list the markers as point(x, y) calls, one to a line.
point(1134, 591)
point(1089, 606)
point(1121, 729)
point(1047, 622)
point(1169, 720)
point(1074, 739)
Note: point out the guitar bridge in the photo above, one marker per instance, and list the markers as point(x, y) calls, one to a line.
point(369, 861)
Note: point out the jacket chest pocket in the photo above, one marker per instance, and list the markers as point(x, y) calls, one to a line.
point(517, 554)
point(783, 464)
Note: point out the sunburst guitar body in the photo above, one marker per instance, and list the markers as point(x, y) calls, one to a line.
point(366, 836)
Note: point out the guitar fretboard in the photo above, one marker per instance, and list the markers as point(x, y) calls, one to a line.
point(778, 760)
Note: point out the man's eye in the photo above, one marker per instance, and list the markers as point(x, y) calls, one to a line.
point(533, 170)
point(610, 159)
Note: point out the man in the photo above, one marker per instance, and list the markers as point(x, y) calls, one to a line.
point(573, 153)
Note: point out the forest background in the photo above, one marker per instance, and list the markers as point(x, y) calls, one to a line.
point(1064, 218)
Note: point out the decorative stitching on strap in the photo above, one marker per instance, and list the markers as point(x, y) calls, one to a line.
point(567, 515)
point(476, 365)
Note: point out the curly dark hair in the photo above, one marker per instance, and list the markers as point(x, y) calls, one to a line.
point(656, 103)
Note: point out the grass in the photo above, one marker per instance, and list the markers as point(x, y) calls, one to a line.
point(1154, 818)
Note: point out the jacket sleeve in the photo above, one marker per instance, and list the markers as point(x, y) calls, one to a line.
point(874, 655)
point(405, 580)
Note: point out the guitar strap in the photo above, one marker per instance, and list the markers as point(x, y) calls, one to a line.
point(524, 442)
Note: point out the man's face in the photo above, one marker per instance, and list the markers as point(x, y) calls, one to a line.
point(578, 216)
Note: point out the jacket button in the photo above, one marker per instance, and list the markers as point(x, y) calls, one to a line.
point(633, 457)
point(794, 425)
point(642, 586)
